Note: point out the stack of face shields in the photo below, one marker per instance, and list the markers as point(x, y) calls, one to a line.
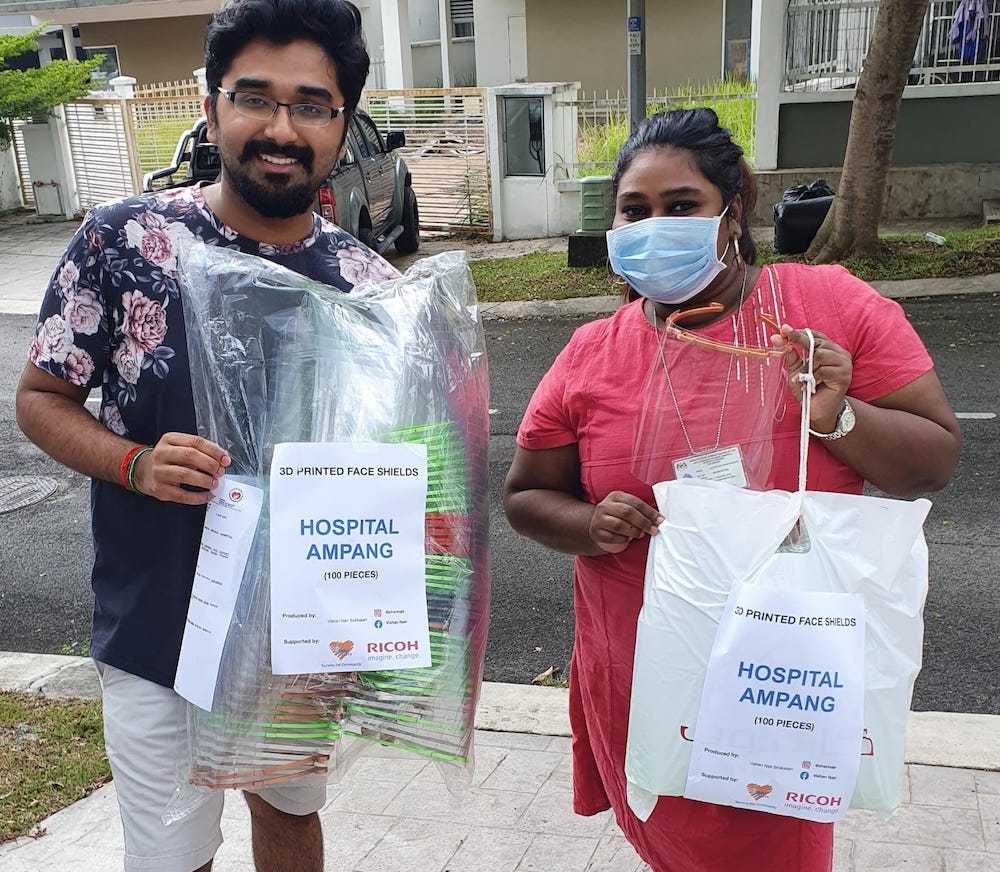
point(277, 358)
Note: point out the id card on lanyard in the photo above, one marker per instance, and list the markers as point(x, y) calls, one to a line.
point(723, 464)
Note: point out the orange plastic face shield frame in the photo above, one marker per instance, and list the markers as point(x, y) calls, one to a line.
point(683, 335)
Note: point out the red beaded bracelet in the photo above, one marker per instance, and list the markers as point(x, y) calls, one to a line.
point(126, 461)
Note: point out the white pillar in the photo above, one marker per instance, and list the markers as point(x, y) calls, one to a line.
point(50, 165)
point(767, 42)
point(71, 193)
point(10, 190)
point(202, 79)
point(493, 139)
point(70, 42)
point(124, 86)
point(396, 42)
point(444, 20)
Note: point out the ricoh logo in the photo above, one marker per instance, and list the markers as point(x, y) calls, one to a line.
point(814, 799)
point(392, 647)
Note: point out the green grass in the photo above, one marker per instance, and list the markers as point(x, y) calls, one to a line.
point(75, 649)
point(970, 252)
point(157, 141)
point(733, 100)
point(51, 755)
point(538, 276)
point(545, 276)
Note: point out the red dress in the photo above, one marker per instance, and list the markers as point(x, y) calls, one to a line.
point(593, 396)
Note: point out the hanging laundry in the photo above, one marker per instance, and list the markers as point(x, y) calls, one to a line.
point(970, 25)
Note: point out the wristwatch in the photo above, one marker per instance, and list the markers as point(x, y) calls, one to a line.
point(845, 423)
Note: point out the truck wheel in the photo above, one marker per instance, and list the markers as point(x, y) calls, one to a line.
point(409, 240)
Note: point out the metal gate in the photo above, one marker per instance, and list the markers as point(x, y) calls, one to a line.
point(114, 141)
point(21, 159)
point(446, 150)
point(101, 143)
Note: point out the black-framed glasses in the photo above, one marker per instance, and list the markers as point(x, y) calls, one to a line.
point(263, 108)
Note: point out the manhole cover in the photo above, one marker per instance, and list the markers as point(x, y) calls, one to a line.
point(25, 490)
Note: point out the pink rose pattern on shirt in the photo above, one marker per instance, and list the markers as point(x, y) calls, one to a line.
point(107, 318)
point(113, 316)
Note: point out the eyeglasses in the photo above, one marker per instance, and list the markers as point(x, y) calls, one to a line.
point(263, 108)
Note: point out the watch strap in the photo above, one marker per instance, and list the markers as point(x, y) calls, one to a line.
point(839, 430)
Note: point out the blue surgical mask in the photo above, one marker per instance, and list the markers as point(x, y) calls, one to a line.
point(668, 260)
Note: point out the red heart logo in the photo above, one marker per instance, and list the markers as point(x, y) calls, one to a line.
point(758, 791)
point(341, 649)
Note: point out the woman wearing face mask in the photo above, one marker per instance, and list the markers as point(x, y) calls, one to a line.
point(680, 239)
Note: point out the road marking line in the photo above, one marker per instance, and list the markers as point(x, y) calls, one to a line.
point(976, 416)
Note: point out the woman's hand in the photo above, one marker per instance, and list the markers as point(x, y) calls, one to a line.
point(619, 518)
point(832, 369)
point(544, 500)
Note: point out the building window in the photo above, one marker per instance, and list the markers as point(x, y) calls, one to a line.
point(108, 69)
point(462, 19)
point(523, 137)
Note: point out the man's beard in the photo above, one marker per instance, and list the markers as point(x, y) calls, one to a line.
point(278, 196)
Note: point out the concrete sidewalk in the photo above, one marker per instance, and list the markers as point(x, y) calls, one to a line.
point(29, 251)
point(392, 813)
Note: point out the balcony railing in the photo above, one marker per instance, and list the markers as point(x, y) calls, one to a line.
point(826, 43)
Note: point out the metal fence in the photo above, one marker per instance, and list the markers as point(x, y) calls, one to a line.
point(114, 141)
point(185, 88)
point(826, 42)
point(101, 142)
point(603, 119)
point(158, 123)
point(446, 151)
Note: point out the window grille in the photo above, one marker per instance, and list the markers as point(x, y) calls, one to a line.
point(462, 19)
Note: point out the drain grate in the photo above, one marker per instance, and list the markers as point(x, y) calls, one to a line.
point(25, 490)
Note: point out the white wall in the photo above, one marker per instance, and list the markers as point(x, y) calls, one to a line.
point(427, 64)
point(10, 194)
point(493, 61)
point(463, 63)
point(424, 24)
point(535, 206)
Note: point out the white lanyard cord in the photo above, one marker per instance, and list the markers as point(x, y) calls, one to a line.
point(808, 389)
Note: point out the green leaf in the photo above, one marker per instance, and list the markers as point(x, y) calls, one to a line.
point(24, 93)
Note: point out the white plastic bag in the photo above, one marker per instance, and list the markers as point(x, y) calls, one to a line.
point(714, 535)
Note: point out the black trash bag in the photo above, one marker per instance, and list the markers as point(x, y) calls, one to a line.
point(800, 214)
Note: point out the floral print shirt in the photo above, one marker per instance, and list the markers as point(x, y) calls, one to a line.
point(112, 318)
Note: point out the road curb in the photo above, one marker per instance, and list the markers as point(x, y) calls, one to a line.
point(964, 741)
point(594, 306)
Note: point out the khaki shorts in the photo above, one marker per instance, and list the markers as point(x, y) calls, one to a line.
point(145, 734)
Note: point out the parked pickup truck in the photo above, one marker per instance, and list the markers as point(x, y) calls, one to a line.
point(369, 193)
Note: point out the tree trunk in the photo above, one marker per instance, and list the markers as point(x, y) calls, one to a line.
point(851, 225)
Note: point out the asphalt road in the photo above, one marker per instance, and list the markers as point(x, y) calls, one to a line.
point(45, 550)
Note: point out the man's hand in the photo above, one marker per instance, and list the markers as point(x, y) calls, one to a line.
point(181, 459)
point(619, 518)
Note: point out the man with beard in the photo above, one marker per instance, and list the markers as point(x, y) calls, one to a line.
point(284, 77)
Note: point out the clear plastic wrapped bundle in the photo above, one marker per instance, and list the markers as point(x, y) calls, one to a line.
point(277, 358)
